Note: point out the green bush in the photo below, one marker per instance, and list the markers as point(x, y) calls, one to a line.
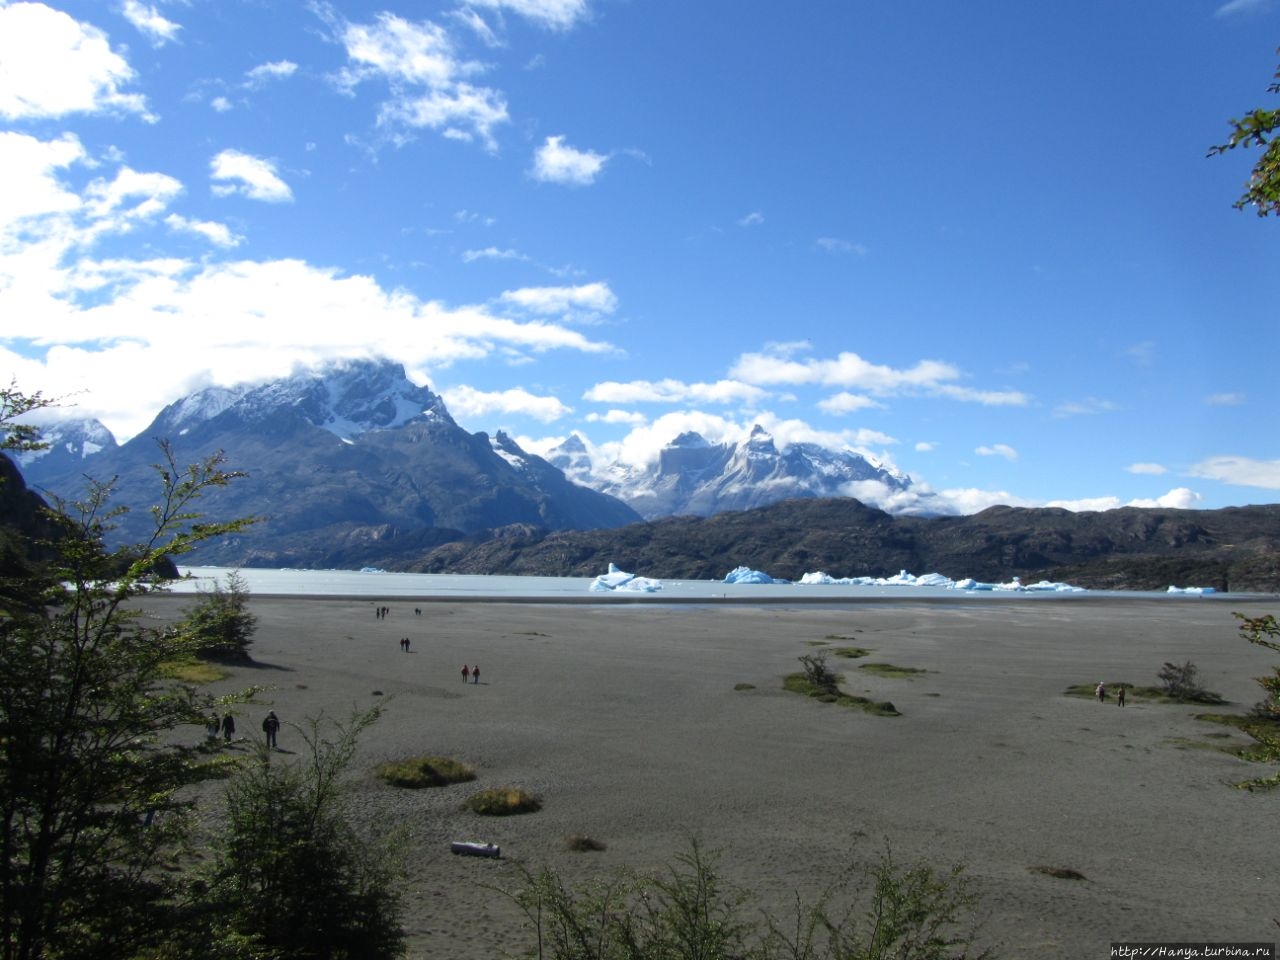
point(418, 772)
point(502, 802)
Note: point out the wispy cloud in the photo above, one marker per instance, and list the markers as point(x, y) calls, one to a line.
point(1237, 8)
point(555, 14)
point(426, 77)
point(838, 245)
point(997, 450)
point(1241, 471)
point(674, 391)
point(847, 369)
point(491, 253)
point(236, 173)
point(555, 162)
point(592, 298)
point(1149, 469)
point(1084, 408)
point(149, 21)
point(264, 72)
point(753, 219)
point(1225, 399)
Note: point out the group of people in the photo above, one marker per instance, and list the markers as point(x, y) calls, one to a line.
point(404, 644)
point(471, 673)
point(1101, 692)
point(226, 725)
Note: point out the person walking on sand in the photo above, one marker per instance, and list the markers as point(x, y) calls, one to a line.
point(271, 726)
point(466, 673)
point(213, 725)
point(475, 674)
point(1101, 691)
point(1120, 695)
point(228, 726)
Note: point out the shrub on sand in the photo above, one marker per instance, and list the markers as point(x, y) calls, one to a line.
point(418, 772)
point(502, 802)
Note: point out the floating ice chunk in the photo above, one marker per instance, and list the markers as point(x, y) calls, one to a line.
point(619, 580)
point(747, 575)
point(1195, 591)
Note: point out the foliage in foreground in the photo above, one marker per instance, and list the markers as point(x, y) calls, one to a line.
point(1257, 128)
point(1263, 722)
point(292, 878)
point(689, 912)
point(89, 779)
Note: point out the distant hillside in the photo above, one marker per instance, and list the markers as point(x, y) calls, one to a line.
point(1236, 549)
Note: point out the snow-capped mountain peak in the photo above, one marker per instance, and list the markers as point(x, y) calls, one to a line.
point(347, 398)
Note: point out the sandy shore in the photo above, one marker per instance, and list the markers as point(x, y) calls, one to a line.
point(627, 721)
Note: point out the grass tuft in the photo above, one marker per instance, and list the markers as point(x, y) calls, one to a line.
point(418, 772)
point(503, 802)
point(799, 683)
point(744, 686)
point(851, 653)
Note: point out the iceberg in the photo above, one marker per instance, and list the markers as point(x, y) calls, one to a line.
point(905, 579)
point(620, 581)
point(747, 575)
point(1193, 591)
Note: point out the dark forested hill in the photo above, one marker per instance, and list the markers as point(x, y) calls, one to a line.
point(1235, 549)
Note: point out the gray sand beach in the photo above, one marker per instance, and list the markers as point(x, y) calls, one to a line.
point(644, 725)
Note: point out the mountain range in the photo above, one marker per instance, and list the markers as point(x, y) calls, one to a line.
point(353, 465)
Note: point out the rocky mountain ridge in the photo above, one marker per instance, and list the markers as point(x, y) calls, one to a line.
point(692, 476)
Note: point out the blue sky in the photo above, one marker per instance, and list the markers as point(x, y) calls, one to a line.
point(979, 241)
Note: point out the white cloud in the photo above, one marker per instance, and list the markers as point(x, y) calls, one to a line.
point(219, 234)
point(556, 14)
point(220, 104)
point(1240, 471)
point(847, 369)
point(465, 401)
point(629, 417)
point(845, 402)
point(425, 75)
point(997, 450)
point(1149, 469)
point(674, 391)
point(556, 163)
point(247, 176)
point(1180, 498)
point(277, 70)
point(111, 199)
point(51, 65)
point(149, 21)
point(589, 297)
point(925, 446)
point(753, 219)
